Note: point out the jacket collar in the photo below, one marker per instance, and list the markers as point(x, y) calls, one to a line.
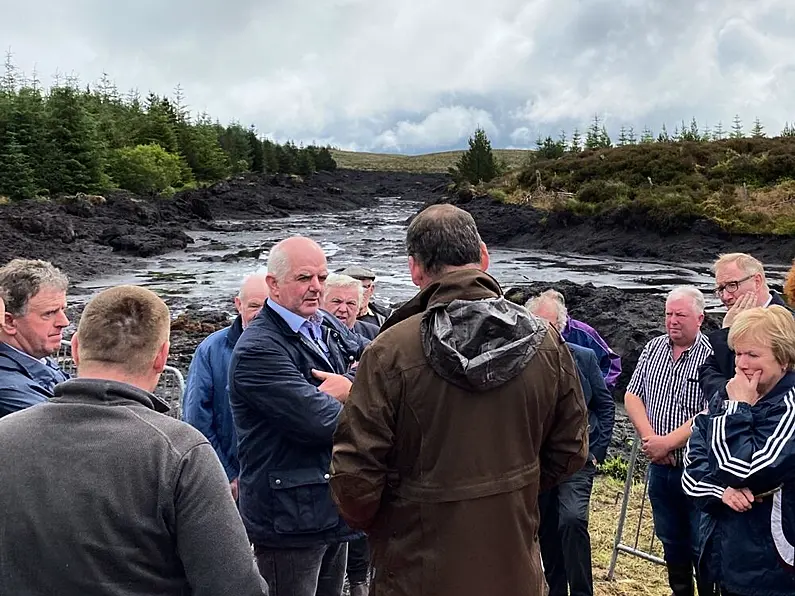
point(32, 367)
point(235, 331)
point(464, 284)
point(111, 393)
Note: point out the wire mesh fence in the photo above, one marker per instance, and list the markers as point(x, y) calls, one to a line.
point(170, 387)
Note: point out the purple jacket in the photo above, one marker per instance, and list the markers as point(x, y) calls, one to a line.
point(584, 335)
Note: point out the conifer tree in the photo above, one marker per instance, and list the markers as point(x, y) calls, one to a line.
point(647, 136)
point(789, 130)
point(592, 137)
point(17, 178)
point(269, 153)
point(631, 139)
point(257, 152)
point(737, 128)
point(758, 131)
point(576, 142)
point(478, 163)
point(718, 133)
point(663, 136)
point(324, 160)
point(623, 139)
point(604, 138)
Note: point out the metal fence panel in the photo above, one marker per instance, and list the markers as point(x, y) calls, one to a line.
point(170, 387)
point(642, 542)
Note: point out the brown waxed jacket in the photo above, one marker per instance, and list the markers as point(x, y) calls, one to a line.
point(462, 410)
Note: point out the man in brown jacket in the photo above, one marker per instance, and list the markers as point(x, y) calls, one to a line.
point(463, 408)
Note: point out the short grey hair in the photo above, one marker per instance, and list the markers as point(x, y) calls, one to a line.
point(554, 298)
point(258, 274)
point(337, 280)
point(278, 262)
point(22, 279)
point(692, 292)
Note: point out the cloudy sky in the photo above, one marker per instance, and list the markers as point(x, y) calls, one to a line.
point(414, 76)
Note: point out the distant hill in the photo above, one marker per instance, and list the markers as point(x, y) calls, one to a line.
point(428, 163)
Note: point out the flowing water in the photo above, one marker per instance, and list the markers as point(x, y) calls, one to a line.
point(373, 237)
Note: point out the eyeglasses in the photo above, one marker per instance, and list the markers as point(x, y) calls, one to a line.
point(731, 286)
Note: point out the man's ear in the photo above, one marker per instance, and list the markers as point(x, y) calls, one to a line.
point(484, 257)
point(417, 272)
point(8, 324)
point(76, 350)
point(161, 358)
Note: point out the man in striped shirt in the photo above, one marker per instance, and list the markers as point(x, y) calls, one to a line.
point(662, 398)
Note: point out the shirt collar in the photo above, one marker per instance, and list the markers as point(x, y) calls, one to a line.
point(41, 360)
point(696, 341)
point(769, 299)
point(294, 321)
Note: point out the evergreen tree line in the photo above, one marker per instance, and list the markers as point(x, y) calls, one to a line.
point(68, 139)
point(596, 136)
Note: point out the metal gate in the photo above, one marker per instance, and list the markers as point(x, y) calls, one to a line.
point(635, 521)
point(170, 387)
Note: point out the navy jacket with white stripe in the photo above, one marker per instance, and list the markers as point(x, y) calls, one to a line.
point(738, 445)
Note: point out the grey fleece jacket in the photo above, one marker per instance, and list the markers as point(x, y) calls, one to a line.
point(102, 495)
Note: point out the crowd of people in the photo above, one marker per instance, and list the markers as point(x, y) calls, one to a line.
point(446, 447)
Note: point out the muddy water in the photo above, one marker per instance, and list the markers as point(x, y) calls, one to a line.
point(208, 273)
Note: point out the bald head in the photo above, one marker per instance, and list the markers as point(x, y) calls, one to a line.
point(297, 273)
point(251, 297)
point(440, 239)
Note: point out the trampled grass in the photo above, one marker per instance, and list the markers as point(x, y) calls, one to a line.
point(633, 576)
point(428, 163)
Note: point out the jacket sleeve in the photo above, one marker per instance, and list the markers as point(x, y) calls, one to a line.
point(268, 379)
point(363, 441)
point(211, 540)
point(20, 396)
point(710, 378)
point(603, 406)
point(749, 445)
point(698, 481)
point(197, 404)
point(565, 446)
point(611, 380)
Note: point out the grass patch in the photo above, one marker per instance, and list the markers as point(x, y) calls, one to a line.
point(423, 164)
point(633, 576)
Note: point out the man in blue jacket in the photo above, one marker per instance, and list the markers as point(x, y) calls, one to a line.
point(206, 402)
point(563, 534)
point(289, 374)
point(30, 332)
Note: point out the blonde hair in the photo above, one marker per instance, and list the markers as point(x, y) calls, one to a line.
point(772, 326)
point(745, 262)
point(123, 327)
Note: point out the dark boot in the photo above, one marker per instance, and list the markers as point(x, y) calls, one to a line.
point(680, 578)
point(360, 590)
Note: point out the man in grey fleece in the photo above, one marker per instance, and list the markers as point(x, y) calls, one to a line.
point(101, 494)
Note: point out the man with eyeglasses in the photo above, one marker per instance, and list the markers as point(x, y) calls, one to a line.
point(740, 284)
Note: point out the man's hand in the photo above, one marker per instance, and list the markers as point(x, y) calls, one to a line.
point(746, 301)
point(657, 449)
point(234, 486)
point(741, 388)
point(739, 499)
point(337, 386)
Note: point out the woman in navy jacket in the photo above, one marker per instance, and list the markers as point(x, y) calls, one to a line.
point(740, 462)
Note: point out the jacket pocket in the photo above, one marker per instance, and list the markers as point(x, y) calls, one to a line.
point(302, 502)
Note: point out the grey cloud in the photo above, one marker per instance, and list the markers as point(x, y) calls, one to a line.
point(415, 75)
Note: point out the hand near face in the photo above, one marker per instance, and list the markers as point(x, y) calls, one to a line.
point(741, 388)
point(739, 499)
point(746, 301)
point(337, 386)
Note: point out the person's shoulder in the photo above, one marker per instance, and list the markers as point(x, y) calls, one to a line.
point(213, 339)
point(179, 436)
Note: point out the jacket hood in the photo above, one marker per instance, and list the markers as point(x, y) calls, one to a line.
point(480, 344)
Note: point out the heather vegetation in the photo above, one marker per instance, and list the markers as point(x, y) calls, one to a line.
point(71, 138)
point(666, 183)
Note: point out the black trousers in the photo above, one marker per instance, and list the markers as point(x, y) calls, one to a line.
point(563, 535)
point(358, 561)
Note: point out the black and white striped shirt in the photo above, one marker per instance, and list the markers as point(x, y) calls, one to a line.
point(669, 389)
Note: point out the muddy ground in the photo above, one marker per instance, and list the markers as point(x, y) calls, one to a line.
point(87, 236)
